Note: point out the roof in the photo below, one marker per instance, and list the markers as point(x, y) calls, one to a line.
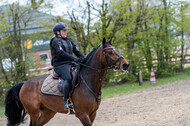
point(32, 20)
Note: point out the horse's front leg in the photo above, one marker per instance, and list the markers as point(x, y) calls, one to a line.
point(84, 118)
point(92, 117)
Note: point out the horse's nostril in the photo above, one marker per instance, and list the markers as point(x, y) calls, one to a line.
point(125, 66)
point(128, 65)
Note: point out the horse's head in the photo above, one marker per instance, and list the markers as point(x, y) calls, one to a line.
point(112, 57)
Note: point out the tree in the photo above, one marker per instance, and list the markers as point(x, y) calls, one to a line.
point(183, 29)
point(12, 44)
point(36, 4)
point(16, 20)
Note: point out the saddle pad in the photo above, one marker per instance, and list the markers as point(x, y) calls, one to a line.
point(49, 86)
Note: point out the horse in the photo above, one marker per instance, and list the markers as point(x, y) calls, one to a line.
point(26, 98)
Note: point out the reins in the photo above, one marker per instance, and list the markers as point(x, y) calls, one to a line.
point(95, 68)
point(99, 70)
point(97, 97)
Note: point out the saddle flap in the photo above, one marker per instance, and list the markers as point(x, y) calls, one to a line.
point(53, 84)
point(49, 86)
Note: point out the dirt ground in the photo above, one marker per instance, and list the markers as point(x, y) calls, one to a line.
point(166, 105)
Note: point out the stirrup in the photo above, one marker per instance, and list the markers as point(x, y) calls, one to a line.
point(68, 105)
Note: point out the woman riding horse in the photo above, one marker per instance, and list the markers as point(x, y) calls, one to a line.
point(62, 49)
point(85, 97)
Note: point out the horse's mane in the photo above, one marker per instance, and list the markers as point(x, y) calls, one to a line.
point(94, 50)
point(91, 53)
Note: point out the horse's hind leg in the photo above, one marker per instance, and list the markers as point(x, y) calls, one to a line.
point(34, 118)
point(33, 110)
point(45, 116)
point(30, 99)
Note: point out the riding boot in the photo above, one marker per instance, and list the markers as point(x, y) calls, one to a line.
point(66, 90)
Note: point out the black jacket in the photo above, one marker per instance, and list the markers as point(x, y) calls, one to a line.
point(62, 50)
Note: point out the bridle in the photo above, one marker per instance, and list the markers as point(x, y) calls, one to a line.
point(113, 66)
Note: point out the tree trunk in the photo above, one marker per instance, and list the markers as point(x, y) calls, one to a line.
point(182, 60)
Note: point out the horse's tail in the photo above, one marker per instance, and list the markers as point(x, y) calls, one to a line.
point(14, 109)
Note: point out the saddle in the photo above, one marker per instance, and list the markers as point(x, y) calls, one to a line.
point(53, 84)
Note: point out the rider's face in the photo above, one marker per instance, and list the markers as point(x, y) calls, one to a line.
point(64, 33)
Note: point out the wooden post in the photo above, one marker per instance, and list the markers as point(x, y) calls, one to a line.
point(140, 78)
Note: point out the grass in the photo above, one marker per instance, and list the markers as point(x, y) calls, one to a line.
point(2, 110)
point(127, 88)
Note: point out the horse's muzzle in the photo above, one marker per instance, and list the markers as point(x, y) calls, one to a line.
point(124, 66)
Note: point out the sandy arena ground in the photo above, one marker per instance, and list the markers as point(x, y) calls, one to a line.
point(166, 105)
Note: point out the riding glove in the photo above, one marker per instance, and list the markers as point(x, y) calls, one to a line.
point(80, 60)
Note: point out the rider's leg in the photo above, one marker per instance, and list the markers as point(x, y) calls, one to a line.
point(66, 89)
point(64, 72)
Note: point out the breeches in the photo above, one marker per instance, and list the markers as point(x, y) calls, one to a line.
point(64, 72)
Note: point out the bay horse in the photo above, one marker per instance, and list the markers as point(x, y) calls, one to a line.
point(26, 97)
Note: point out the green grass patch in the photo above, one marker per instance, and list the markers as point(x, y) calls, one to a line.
point(2, 110)
point(126, 88)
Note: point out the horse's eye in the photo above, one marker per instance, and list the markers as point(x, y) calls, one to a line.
point(110, 53)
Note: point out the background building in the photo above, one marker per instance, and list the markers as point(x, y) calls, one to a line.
point(36, 35)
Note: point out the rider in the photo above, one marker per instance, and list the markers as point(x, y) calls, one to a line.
point(62, 49)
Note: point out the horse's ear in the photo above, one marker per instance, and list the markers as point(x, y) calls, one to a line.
point(110, 41)
point(104, 42)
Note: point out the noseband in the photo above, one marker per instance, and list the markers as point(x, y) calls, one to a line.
point(117, 60)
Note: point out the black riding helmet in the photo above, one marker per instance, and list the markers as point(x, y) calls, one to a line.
point(59, 26)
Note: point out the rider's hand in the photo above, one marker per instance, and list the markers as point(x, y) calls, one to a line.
point(80, 60)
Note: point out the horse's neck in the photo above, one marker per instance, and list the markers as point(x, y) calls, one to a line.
point(93, 77)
